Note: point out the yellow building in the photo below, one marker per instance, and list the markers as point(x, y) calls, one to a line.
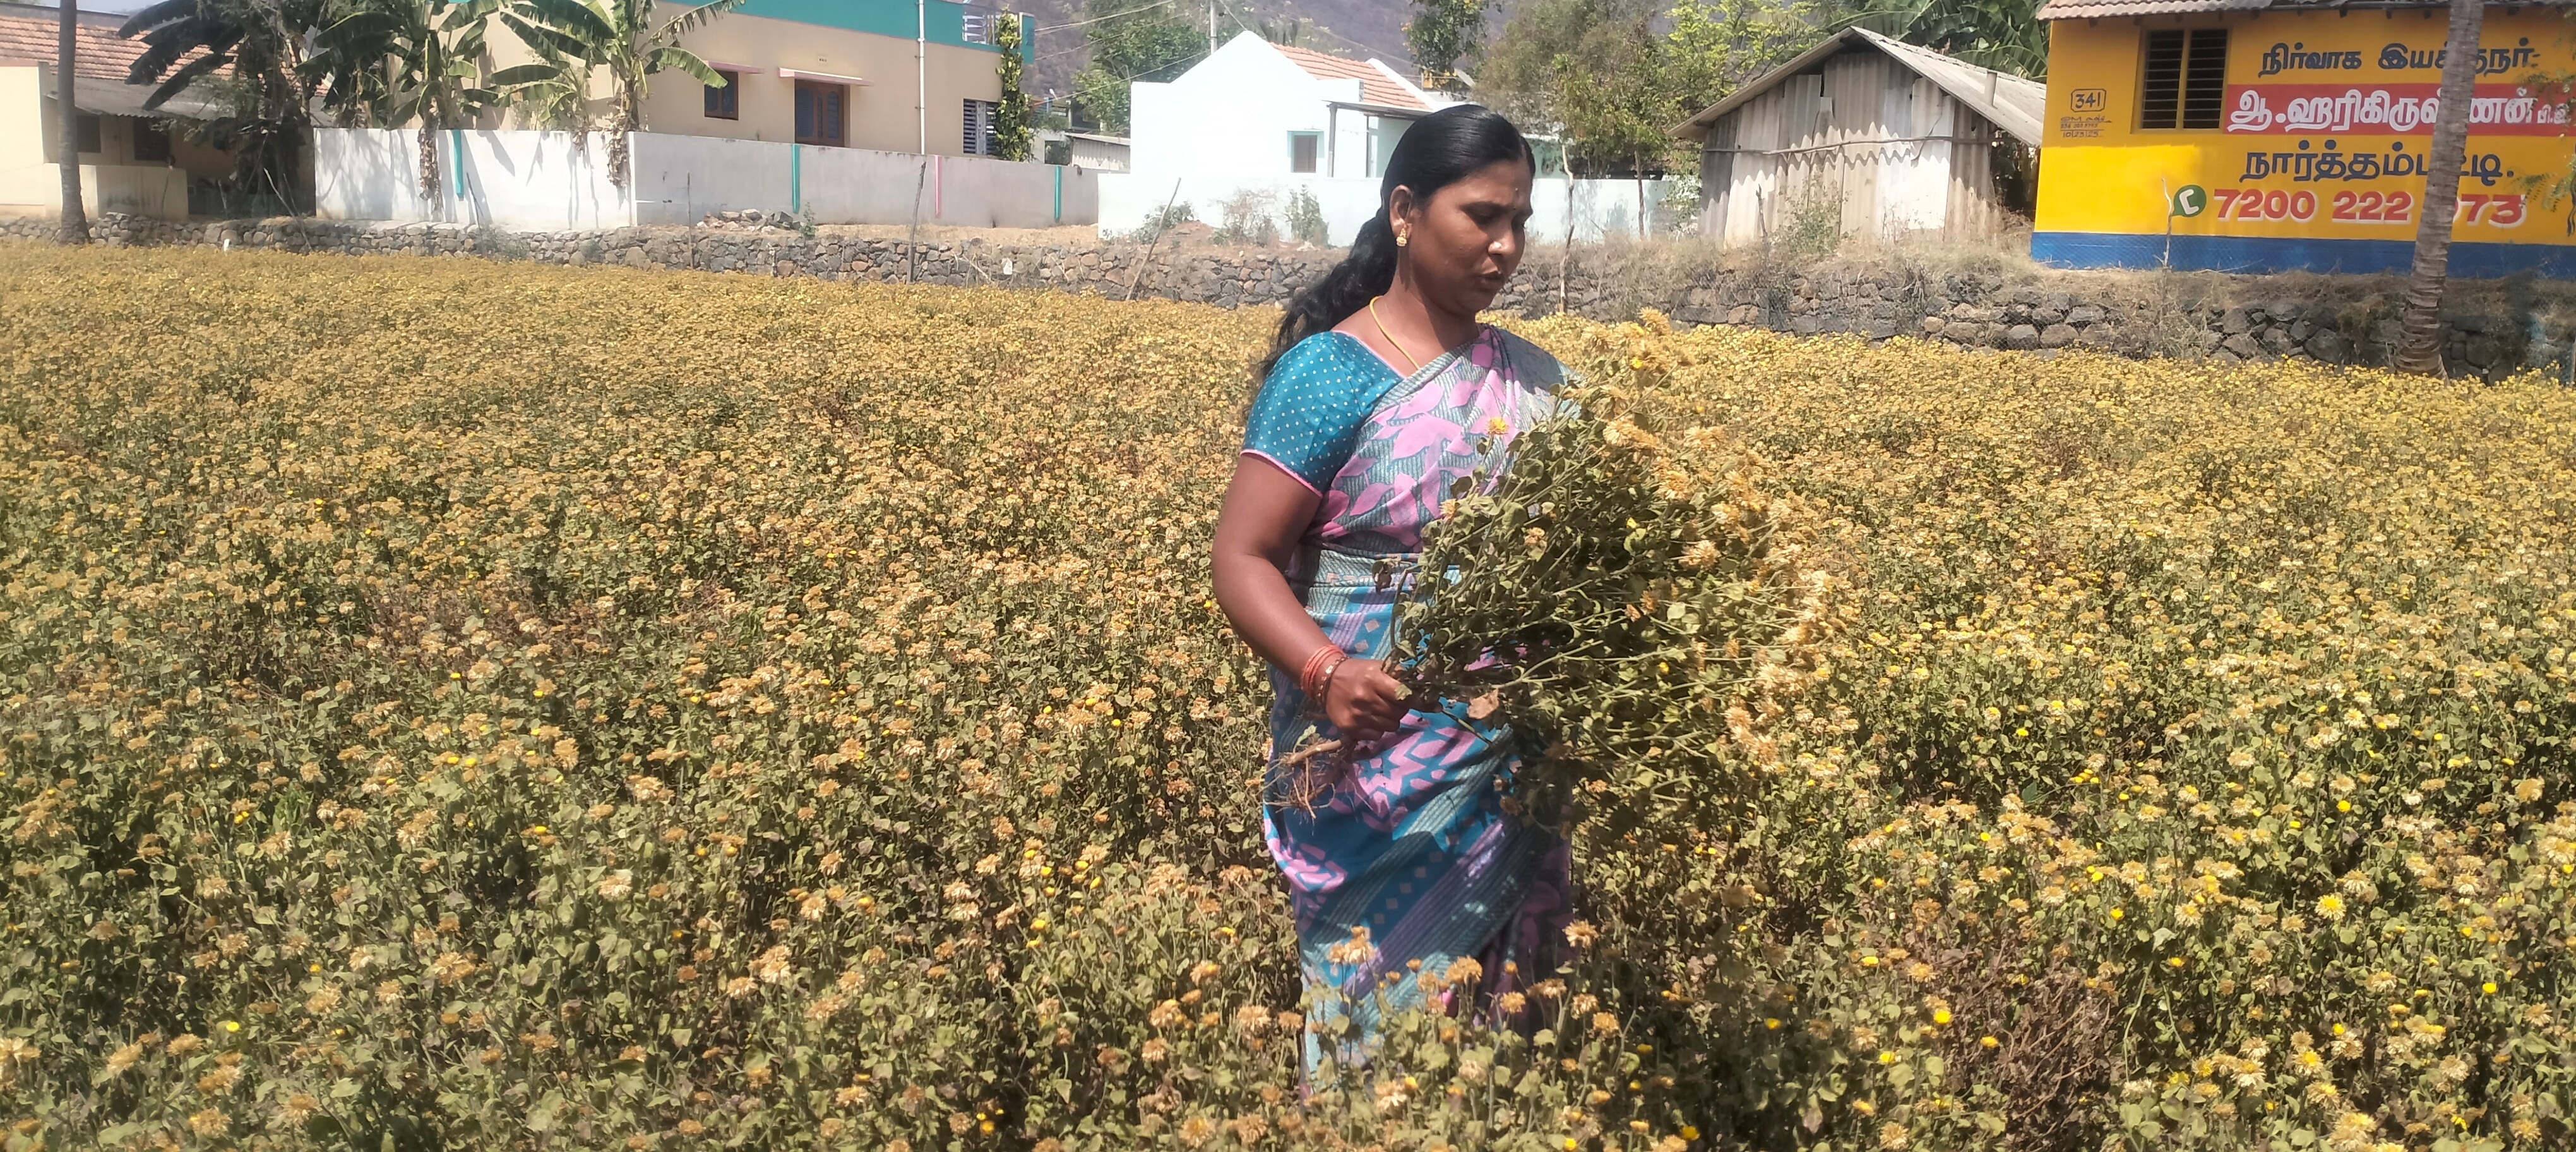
point(2277, 135)
point(892, 75)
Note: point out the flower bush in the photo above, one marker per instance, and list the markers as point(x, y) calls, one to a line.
point(2187, 764)
point(446, 704)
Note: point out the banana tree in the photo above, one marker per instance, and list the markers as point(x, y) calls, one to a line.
point(554, 92)
point(430, 72)
point(249, 55)
point(623, 36)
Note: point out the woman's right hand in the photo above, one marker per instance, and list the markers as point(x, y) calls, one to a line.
point(1364, 702)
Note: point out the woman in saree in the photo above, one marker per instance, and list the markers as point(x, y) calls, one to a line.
point(1381, 393)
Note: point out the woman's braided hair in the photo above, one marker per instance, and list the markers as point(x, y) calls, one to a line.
point(1437, 151)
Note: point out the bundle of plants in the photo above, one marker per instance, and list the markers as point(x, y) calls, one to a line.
point(1632, 598)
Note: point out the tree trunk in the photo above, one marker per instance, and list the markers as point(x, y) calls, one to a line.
point(75, 220)
point(2420, 344)
point(618, 127)
point(428, 158)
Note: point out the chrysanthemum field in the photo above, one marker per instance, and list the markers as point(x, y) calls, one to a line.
point(447, 704)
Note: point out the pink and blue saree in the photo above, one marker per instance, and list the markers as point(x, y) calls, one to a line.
point(1398, 851)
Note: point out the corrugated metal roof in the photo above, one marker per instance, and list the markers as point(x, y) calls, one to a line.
point(2013, 103)
point(118, 98)
point(2082, 9)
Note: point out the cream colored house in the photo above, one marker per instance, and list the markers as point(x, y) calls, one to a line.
point(131, 161)
point(890, 75)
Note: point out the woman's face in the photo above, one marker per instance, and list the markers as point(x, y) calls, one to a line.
point(1465, 242)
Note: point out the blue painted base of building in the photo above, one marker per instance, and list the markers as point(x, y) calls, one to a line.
point(2469, 260)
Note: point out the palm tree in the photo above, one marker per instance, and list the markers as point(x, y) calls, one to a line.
point(624, 37)
point(431, 75)
point(75, 221)
point(2419, 347)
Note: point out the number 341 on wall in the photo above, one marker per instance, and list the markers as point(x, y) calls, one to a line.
point(2497, 210)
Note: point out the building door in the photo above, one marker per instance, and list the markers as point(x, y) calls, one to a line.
point(822, 113)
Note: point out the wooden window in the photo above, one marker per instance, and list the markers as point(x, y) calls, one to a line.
point(1301, 151)
point(85, 134)
point(822, 113)
point(724, 101)
point(980, 115)
point(151, 143)
point(2184, 79)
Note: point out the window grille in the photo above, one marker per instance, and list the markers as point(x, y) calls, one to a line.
point(980, 115)
point(2185, 79)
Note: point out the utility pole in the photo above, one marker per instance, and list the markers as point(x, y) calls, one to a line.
point(921, 73)
point(1211, 27)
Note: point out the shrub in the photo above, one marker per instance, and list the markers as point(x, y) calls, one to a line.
point(1306, 218)
point(2194, 773)
point(1163, 220)
point(1246, 218)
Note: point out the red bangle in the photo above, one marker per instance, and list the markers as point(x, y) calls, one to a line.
point(1319, 670)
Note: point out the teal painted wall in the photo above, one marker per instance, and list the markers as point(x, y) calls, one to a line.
point(946, 21)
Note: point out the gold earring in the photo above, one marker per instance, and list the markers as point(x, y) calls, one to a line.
point(1403, 238)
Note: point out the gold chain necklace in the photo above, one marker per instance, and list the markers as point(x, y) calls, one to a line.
point(1390, 336)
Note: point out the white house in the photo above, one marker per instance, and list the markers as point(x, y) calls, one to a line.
point(1262, 129)
point(1258, 109)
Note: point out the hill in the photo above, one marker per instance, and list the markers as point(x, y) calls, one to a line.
point(1359, 29)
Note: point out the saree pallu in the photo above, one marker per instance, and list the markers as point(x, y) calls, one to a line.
point(1400, 851)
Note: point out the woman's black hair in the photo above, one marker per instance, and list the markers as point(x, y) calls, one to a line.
point(1440, 149)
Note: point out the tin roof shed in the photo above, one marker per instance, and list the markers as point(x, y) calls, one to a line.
point(1866, 135)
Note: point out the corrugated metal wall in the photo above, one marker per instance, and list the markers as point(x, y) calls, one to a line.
point(1862, 144)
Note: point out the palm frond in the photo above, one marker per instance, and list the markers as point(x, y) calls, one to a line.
point(672, 58)
point(697, 17)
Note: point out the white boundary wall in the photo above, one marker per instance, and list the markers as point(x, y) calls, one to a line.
point(542, 181)
point(1600, 207)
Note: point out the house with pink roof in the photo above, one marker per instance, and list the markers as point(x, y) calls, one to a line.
point(1256, 109)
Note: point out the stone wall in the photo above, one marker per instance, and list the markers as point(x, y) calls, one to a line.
point(1978, 301)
